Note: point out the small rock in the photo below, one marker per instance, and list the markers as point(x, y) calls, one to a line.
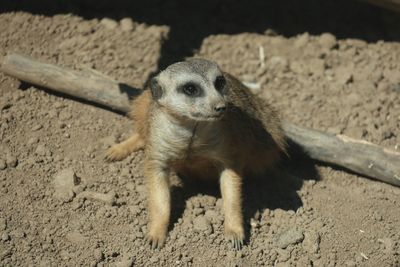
point(212, 215)
point(33, 140)
point(3, 224)
point(311, 242)
point(127, 24)
point(11, 161)
point(302, 40)
point(109, 198)
point(389, 245)
point(327, 41)
point(41, 150)
point(5, 237)
point(64, 115)
point(109, 23)
point(181, 241)
point(290, 237)
point(284, 255)
point(201, 224)
point(64, 183)
point(3, 164)
point(125, 262)
point(355, 132)
point(37, 127)
point(98, 255)
point(344, 75)
point(317, 66)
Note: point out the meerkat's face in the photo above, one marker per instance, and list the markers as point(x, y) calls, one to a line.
point(195, 89)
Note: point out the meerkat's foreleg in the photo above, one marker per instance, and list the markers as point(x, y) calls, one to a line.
point(231, 187)
point(159, 202)
point(123, 149)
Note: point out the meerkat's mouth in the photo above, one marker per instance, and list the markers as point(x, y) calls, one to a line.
point(202, 117)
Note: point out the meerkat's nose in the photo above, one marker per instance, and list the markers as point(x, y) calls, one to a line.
point(220, 108)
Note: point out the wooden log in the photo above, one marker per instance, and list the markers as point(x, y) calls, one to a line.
point(358, 156)
point(88, 85)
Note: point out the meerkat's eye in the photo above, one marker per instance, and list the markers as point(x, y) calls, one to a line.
point(220, 83)
point(190, 89)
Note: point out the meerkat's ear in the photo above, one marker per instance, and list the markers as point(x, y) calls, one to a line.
point(156, 90)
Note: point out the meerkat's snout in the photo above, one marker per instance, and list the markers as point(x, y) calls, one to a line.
point(220, 108)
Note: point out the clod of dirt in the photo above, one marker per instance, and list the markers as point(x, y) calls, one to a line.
point(344, 75)
point(3, 224)
point(327, 41)
point(388, 243)
point(290, 237)
point(202, 224)
point(41, 150)
point(64, 183)
point(37, 127)
point(109, 23)
point(124, 263)
point(126, 24)
point(76, 237)
point(311, 242)
point(5, 237)
point(109, 198)
point(11, 161)
point(3, 164)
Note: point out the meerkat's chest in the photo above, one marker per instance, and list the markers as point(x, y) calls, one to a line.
point(175, 142)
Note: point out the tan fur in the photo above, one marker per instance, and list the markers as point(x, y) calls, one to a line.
point(247, 140)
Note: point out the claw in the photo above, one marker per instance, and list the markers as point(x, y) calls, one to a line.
point(156, 242)
point(236, 242)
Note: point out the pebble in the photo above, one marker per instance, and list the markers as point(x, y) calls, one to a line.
point(327, 41)
point(109, 23)
point(302, 40)
point(126, 262)
point(3, 164)
point(212, 215)
point(343, 75)
point(181, 241)
point(3, 224)
point(41, 150)
point(37, 127)
point(33, 140)
point(64, 115)
point(5, 237)
point(64, 183)
point(389, 245)
point(201, 224)
point(290, 237)
point(127, 24)
point(11, 161)
point(98, 255)
point(311, 242)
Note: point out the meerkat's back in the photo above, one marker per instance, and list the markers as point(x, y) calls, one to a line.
point(255, 128)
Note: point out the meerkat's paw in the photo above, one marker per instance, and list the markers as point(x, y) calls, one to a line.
point(156, 237)
point(117, 152)
point(235, 235)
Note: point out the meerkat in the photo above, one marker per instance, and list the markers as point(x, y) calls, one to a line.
point(200, 122)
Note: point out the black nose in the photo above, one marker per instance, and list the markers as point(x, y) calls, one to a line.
point(220, 108)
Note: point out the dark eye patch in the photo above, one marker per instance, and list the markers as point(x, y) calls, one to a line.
point(191, 89)
point(220, 83)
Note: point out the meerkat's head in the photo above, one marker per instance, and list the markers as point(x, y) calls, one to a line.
point(195, 89)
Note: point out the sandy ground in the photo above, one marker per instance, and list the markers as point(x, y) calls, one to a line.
point(61, 204)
